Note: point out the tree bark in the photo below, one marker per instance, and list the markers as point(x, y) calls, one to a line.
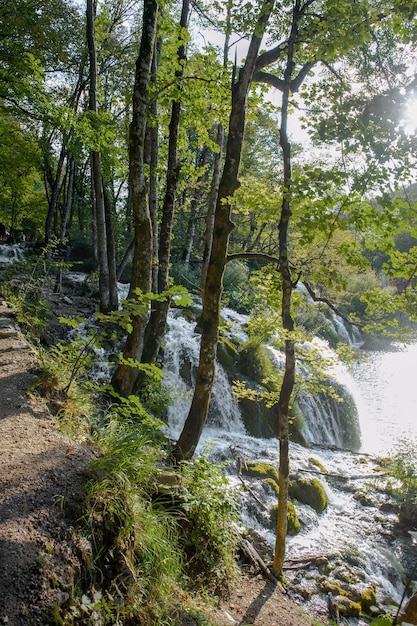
point(287, 320)
point(125, 376)
point(223, 226)
point(96, 171)
point(111, 251)
point(155, 330)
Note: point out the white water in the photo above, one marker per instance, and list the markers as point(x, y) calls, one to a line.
point(347, 531)
point(384, 393)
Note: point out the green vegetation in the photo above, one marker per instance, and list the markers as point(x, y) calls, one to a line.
point(311, 492)
point(153, 539)
point(293, 523)
point(260, 470)
point(402, 466)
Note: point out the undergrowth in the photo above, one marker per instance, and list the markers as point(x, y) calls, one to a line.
point(154, 540)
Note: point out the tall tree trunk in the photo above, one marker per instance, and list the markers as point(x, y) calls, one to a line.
point(96, 172)
point(152, 143)
point(55, 189)
point(194, 209)
point(111, 251)
point(223, 226)
point(287, 320)
point(68, 200)
point(215, 181)
point(214, 190)
point(125, 376)
point(157, 323)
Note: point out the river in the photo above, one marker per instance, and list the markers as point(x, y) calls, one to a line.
point(386, 397)
point(356, 536)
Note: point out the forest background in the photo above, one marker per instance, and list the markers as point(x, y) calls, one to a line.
point(134, 144)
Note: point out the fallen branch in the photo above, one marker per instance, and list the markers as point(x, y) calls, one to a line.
point(252, 493)
point(358, 477)
point(255, 558)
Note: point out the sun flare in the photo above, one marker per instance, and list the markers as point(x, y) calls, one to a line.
point(410, 117)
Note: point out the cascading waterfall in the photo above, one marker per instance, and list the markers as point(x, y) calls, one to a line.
point(326, 421)
point(346, 534)
point(12, 253)
point(181, 355)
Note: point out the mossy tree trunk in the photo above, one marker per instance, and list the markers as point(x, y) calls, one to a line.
point(156, 327)
point(125, 376)
point(223, 226)
point(287, 320)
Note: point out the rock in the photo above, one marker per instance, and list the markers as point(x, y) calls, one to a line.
point(309, 492)
point(8, 331)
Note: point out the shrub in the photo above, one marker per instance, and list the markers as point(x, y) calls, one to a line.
point(207, 531)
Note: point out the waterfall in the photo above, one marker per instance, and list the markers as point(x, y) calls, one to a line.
point(12, 253)
point(327, 421)
point(181, 355)
point(348, 334)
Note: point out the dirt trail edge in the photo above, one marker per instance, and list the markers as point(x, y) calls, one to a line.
point(41, 473)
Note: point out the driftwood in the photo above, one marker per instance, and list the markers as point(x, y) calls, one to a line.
point(308, 471)
point(252, 493)
point(253, 556)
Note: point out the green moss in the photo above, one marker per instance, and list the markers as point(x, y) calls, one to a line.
point(319, 465)
point(260, 470)
point(333, 587)
point(368, 598)
point(309, 492)
point(254, 362)
point(293, 523)
point(274, 485)
point(348, 608)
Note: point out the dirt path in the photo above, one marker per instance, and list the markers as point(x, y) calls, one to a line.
point(40, 469)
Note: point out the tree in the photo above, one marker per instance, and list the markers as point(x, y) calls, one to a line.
point(125, 375)
point(223, 226)
point(105, 248)
point(156, 327)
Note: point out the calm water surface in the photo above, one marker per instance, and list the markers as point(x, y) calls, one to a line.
point(385, 390)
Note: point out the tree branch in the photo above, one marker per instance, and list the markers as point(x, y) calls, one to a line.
point(330, 304)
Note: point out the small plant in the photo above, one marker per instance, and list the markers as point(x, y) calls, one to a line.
point(403, 467)
point(207, 530)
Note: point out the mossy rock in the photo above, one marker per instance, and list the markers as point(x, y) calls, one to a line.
point(226, 354)
point(309, 492)
point(254, 361)
point(347, 607)
point(273, 483)
point(317, 464)
point(293, 523)
point(260, 470)
point(368, 598)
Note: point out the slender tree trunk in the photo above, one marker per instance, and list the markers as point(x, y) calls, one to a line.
point(215, 181)
point(157, 323)
point(125, 376)
point(111, 251)
point(223, 226)
point(96, 172)
point(68, 199)
point(152, 142)
point(287, 320)
point(214, 190)
point(194, 209)
point(53, 199)
point(125, 260)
